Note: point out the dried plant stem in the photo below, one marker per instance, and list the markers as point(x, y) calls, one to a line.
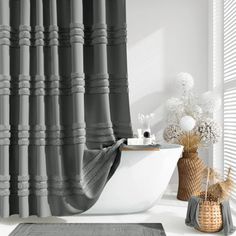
point(207, 183)
point(229, 172)
point(220, 189)
point(188, 140)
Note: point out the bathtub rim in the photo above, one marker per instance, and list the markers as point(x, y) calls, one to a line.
point(146, 148)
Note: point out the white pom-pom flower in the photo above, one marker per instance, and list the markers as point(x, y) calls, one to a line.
point(187, 123)
point(185, 81)
point(209, 102)
point(195, 111)
point(173, 104)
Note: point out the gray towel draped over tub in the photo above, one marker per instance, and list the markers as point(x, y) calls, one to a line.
point(63, 98)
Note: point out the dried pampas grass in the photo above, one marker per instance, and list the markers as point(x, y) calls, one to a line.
point(219, 191)
point(211, 174)
point(190, 141)
point(222, 190)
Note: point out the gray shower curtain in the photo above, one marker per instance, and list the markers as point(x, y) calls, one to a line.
point(63, 103)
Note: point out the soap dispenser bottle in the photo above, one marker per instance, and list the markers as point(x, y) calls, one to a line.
point(147, 138)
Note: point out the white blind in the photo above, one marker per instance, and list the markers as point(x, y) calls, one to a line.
point(229, 99)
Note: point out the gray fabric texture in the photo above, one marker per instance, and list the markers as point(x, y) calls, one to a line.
point(192, 215)
point(63, 97)
point(228, 225)
point(192, 212)
point(146, 229)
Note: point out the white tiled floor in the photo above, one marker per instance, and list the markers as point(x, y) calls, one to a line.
point(170, 212)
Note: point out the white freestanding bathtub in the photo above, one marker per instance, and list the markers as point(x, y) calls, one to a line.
point(139, 181)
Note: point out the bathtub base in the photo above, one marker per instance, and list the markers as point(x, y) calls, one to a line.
point(139, 182)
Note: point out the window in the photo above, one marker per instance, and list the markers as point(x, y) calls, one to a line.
point(229, 94)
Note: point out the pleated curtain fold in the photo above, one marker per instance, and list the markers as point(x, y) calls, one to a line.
point(63, 99)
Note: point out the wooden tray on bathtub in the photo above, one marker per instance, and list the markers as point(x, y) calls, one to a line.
point(140, 148)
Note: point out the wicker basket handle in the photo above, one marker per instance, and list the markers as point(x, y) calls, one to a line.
point(229, 172)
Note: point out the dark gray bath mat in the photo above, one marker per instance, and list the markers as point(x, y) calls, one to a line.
point(68, 229)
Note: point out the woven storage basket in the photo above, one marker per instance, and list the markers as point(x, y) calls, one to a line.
point(190, 168)
point(210, 215)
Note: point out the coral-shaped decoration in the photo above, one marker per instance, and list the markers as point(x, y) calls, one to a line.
point(208, 130)
point(172, 133)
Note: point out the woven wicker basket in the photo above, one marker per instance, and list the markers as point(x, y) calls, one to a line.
point(190, 168)
point(209, 215)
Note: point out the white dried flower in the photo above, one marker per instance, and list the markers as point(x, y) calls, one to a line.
point(173, 117)
point(172, 133)
point(187, 123)
point(194, 110)
point(172, 104)
point(185, 81)
point(208, 130)
point(209, 102)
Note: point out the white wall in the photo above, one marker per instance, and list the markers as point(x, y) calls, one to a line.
point(165, 37)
